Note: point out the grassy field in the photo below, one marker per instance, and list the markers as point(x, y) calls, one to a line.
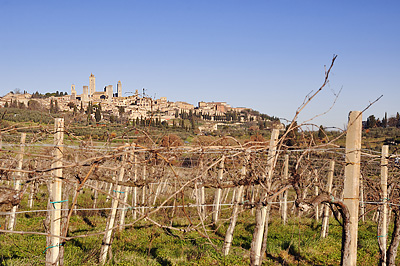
point(297, 243)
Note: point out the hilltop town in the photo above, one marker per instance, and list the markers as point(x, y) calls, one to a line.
point(136, 106)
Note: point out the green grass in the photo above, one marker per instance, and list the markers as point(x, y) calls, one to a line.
point(296, 243)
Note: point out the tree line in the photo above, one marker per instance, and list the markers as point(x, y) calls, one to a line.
point(373, 122)
point(39, 95)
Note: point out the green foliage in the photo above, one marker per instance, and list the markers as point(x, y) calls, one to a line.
point(371, 122)
point(34, 105)
point(321, 132)
point(113, 119)
point(54, 107)
point(97, 115)
point(293, 134)
point(19, 115)
point(38, 95)
point(121, 110)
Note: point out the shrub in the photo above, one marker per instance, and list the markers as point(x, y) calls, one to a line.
point(171, 140)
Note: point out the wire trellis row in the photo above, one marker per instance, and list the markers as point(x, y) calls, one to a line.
point(131, 182)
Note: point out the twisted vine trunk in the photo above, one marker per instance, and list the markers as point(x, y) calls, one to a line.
point(394, 245)
point(344, 211)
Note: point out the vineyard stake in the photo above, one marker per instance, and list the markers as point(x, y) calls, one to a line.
point(316, 194)
point(235, 212)
point(351, 191)
point(382, 225)
point(218, 191)
point(17, 181)
point(262, 212)
point(284, 196)
point(106, 244)
point(52, 254)
point(325, 218)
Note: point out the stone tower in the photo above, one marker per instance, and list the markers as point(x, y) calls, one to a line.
point(85, 95)
point(92, 85)
point(73, 92)
point(109, 92)
point(119, 89)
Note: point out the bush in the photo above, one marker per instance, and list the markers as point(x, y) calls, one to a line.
point(171, 140)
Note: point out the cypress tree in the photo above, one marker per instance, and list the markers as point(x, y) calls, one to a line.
point(51, 106)
point(97, 115)
point(321, 133)
point(385, 121)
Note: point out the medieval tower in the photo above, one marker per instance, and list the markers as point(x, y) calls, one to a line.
point(85, 94)
point(92, 85)
point(109, 92)
point(73, 92)
point(119, 89)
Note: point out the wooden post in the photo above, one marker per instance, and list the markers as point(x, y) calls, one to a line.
point(52, 256)
point(134, 196)
point(325, 218)
point(151, 189)
point(217, 198)
point(316, 194)
point(225, 198)
point(110, 221)
point(231, 228)
point(161, 181)
point(351, 191)
point(254, 191)
point(32, 193)
point(144, 190)
point(284, 196)
point(262, 214)
point(197, 195)
point(202, 190)
point(34, 188)
point(110, 186)
point(17, 180)
point(362, 205)
point(197, 191)
point(382, 226)
point(233, 196)
point(235, 212)
point(95, 194)
point(124, 191)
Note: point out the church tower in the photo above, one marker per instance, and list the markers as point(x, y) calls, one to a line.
point(92, 85)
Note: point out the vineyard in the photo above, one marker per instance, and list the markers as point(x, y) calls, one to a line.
point(59, 192)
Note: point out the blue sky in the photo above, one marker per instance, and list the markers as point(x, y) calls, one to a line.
point(266, 55)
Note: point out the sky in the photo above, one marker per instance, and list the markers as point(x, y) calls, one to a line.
point(265, 55)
